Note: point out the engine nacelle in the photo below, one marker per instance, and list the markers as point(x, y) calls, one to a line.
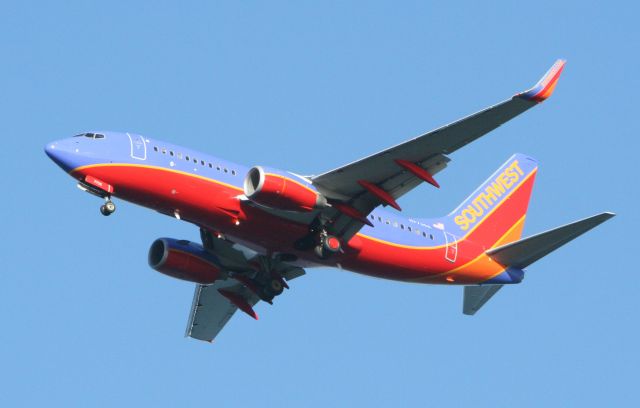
point(283, 191)
point(184, 260)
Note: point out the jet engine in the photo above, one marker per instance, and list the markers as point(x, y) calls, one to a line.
point(184, 260)
point(283, 191)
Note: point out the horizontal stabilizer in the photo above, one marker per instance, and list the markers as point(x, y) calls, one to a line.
point(522, 253)
point(476, 296)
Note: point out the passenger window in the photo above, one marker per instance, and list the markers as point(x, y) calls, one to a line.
point(170, 152)
point(379, 219)
point(195, 160)
point(186, 158)
point(179, 155)
point(210, 166)
point(99, 136)
point(155, 148)
point(233, 172)
point(164, 151)
point(431, 236)
point(218, 168)
point(424, 234)
point(402, 226)
point(202, 162)
point(225, 170)
point(395, 224)
point(387, 222)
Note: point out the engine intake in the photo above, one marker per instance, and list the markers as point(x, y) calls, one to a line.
point(184, 260)
point(281, 191)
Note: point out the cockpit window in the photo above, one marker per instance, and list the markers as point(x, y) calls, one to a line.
point(91, 135)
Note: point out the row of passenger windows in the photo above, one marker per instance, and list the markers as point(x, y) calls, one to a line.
point(402, 226)
point(187, 158)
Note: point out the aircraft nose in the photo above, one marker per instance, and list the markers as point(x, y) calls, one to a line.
point(50, 150)
point(62, 153)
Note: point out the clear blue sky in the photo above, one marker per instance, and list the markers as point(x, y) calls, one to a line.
point(307, 86)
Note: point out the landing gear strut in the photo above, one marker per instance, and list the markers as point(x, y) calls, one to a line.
point(108, 207)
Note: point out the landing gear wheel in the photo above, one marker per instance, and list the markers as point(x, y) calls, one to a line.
point(320, 252)
point(103, 210)
point(108, 208)
point(331, 243)
point(328, 246)
point(275, 286)
point(272, 289)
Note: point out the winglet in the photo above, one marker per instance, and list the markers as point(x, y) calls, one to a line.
point(544, 88)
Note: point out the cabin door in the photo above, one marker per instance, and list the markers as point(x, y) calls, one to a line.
point(138, 147)
point(452, 247)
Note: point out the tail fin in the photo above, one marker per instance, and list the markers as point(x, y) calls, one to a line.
point(494, 213)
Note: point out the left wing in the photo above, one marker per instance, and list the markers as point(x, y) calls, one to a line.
point(385, 176)
point(245, 272)
point(211, 311)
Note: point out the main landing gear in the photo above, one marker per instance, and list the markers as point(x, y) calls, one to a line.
point(108, 207)
point(323, 244)
point(327, 246)
point(262, 274)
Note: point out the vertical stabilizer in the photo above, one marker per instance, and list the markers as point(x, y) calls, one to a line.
point(494, 213)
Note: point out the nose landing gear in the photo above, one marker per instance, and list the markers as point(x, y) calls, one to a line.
point(108, 207)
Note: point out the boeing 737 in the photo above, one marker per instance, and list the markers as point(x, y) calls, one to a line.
point(261, 227)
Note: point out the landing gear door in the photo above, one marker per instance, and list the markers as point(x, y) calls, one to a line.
point(452, 247)
point(138, 147)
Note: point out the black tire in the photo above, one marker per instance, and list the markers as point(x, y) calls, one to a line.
point(103, 211)
point(276, 287)
point(272, 289)
point(331, 244)
point(321, 252)
point(110, 206)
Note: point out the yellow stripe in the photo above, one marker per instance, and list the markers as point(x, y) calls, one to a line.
point(479, 257)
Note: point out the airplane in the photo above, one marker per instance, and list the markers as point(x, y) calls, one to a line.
point(261, 227)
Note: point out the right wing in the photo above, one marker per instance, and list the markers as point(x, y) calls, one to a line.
point(395, 171)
